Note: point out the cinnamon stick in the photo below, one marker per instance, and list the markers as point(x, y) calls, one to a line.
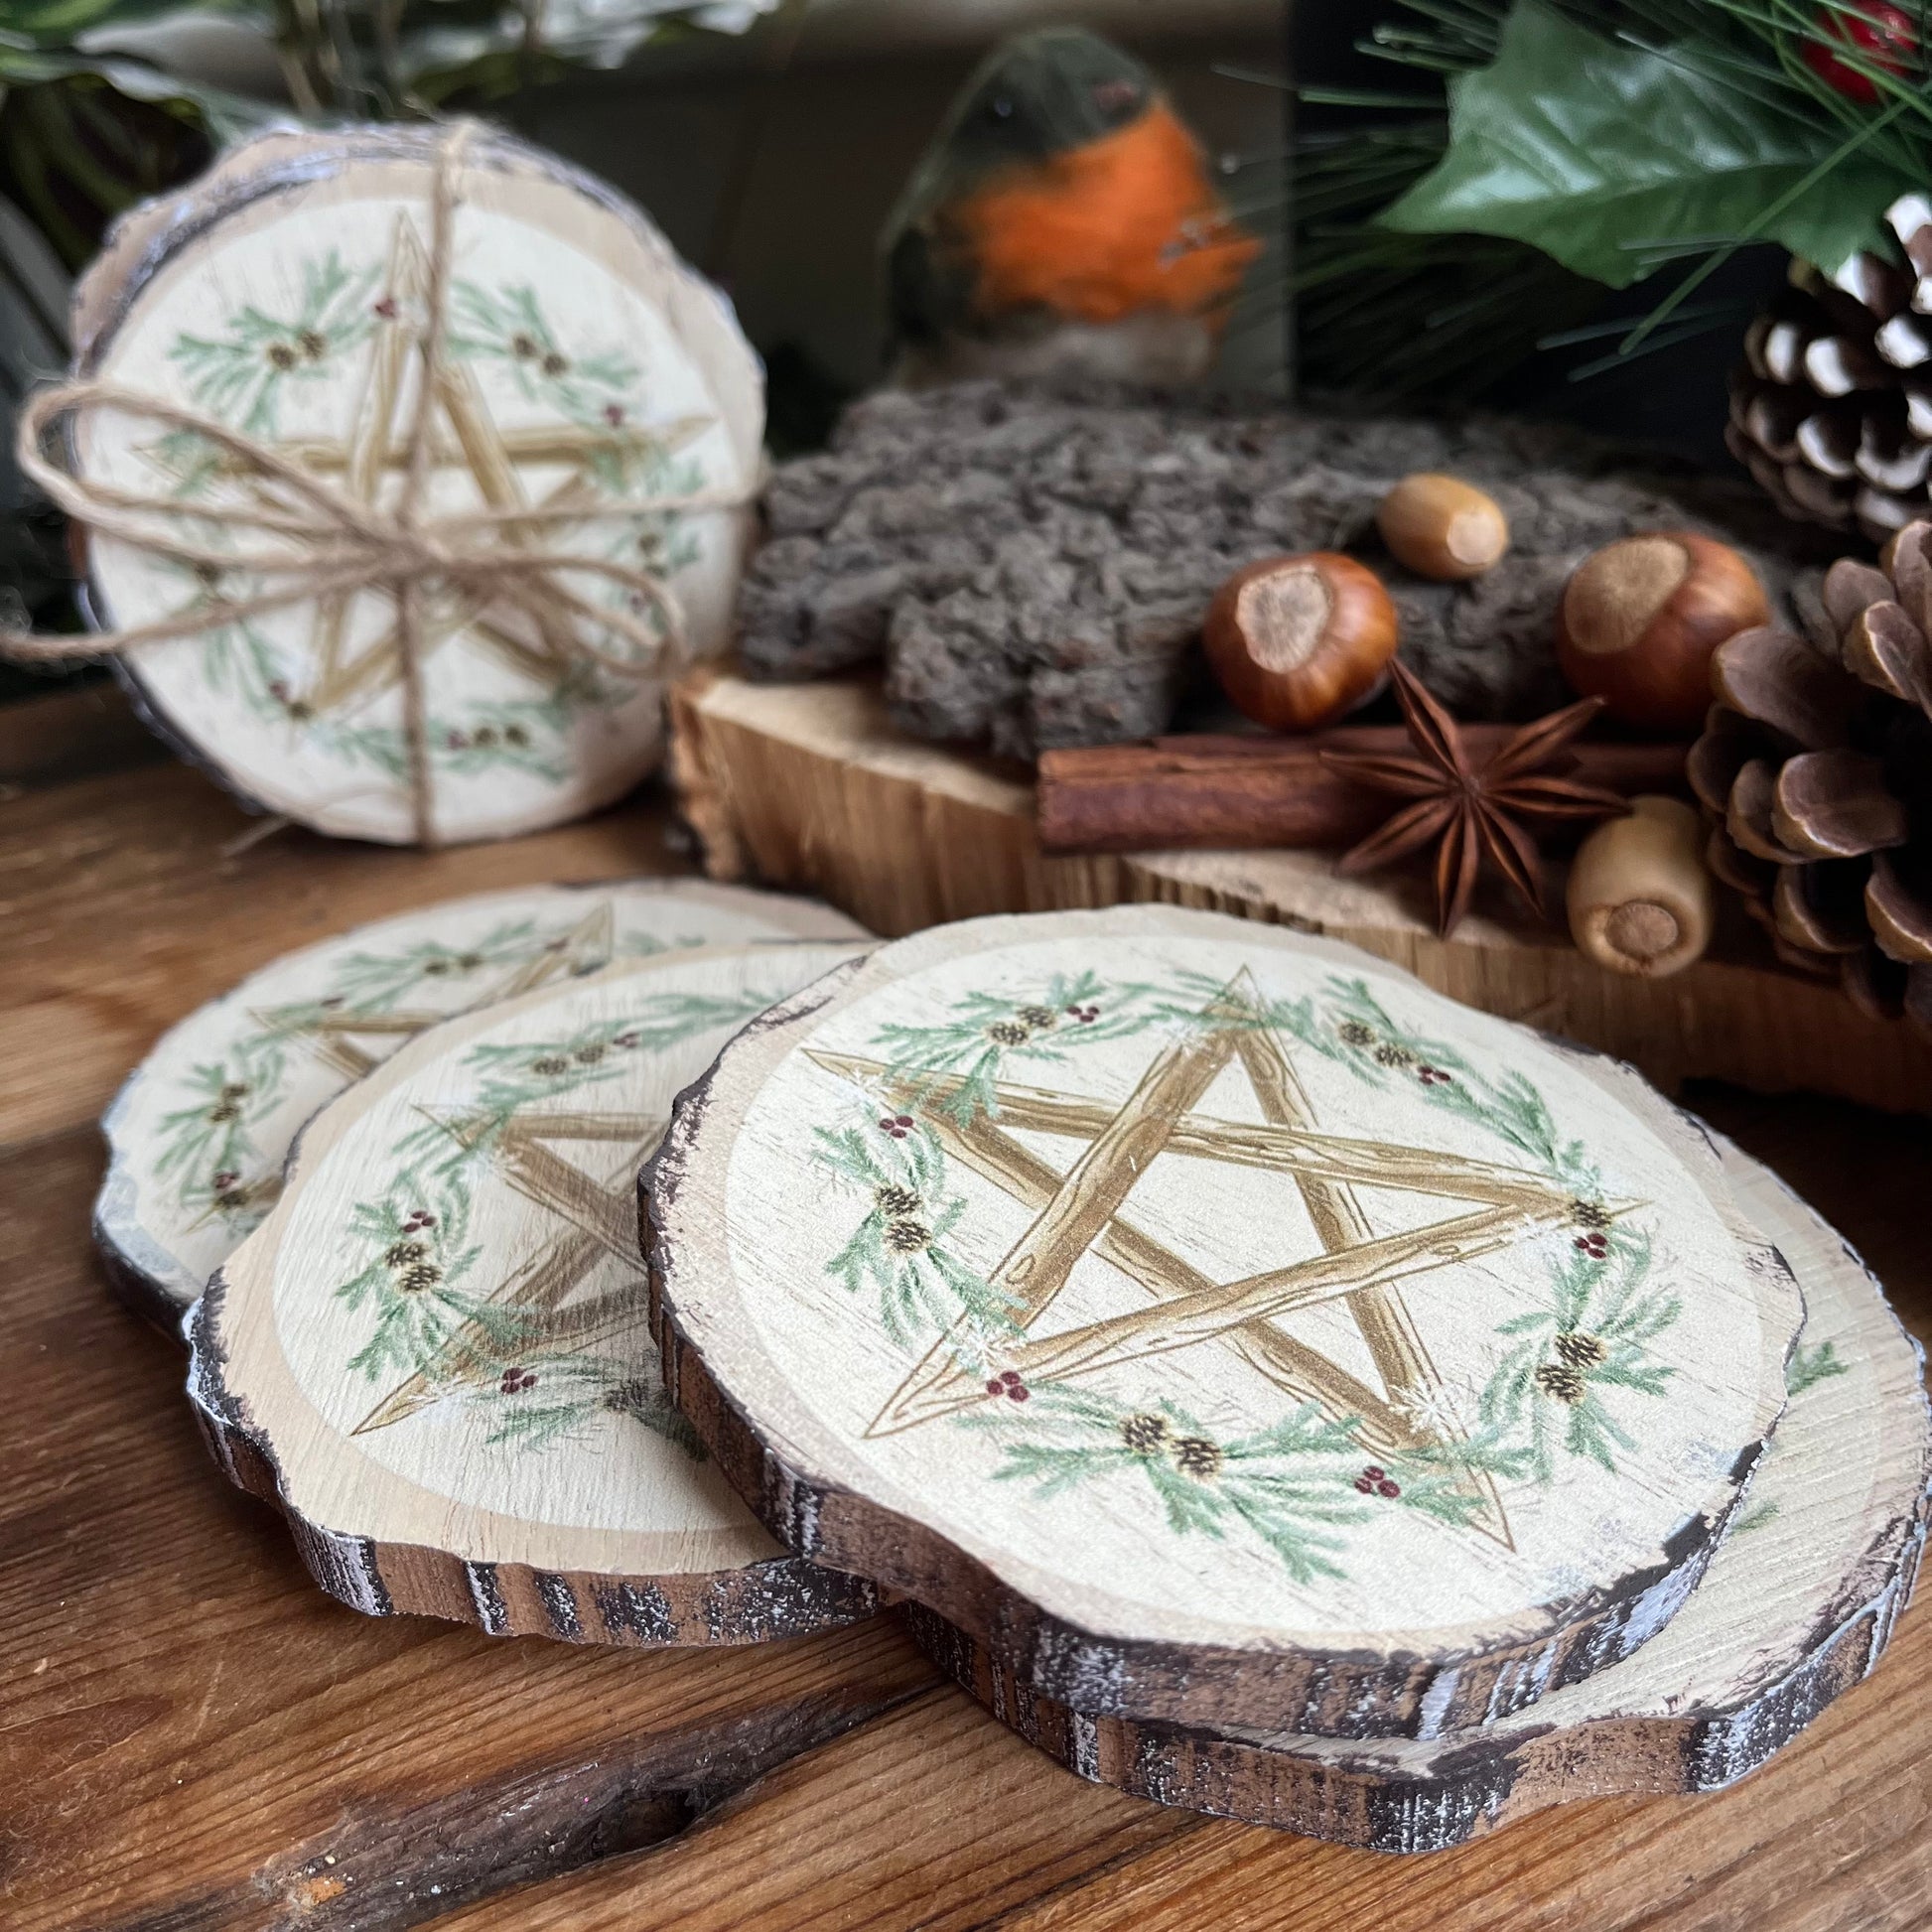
point(1216, 792)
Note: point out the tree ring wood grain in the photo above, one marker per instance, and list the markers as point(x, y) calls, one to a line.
point(198, 1133)
point(1795, 1608)
point(1300, 1444)
point(434, 1354)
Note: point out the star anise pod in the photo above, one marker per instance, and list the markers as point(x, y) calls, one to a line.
point(1468, 809)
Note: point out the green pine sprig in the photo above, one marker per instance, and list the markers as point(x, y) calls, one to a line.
point(899, 1252)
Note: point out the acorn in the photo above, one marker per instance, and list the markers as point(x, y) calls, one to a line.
point(1639, 621)
point(1442, 528)
point(1298, 641)
point(1639, 897)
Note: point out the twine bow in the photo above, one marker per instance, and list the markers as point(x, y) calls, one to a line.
point(317, 541)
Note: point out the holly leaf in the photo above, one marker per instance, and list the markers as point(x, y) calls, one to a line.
point(1614, 159)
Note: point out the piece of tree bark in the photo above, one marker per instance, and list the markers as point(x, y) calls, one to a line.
point(1228, 792)
point(959, 1260)
point(434, 1355)
point(198, 1133)
point(1796, 1607)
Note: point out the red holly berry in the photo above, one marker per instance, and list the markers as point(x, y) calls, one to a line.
point(1883, 36)
point(612, 414)
point(901, 1119)
point(1375, 1473)
point(226, 1180)
point(1018, 1392)
point(1387, 1488)
point(993, 1386)
point(387, 308)
point(1011, 1377)
point(1364, 1486)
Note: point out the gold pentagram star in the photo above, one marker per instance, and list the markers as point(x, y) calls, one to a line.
point(1080, 1210)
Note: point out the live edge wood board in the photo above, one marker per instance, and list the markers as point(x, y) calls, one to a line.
point(434, 1355)
point(1796, 1607)
point(807, 787)
point(198, 1134)
point(1215, 1323)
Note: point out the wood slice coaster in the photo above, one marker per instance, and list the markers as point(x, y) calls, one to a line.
point(434, 1356)
point(197, 1136)
point(1796, 1607)
point(1217, 1323)
point(583, 364)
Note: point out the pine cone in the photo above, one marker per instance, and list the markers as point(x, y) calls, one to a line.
point(1815, 768)
point(1832, 411)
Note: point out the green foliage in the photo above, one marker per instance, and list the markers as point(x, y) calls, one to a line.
point(560, 1398)
point(414, 1251)
point(1810, 1366)
point(899, 1250)
point(986, 1031)
point(239, 375)
point(1592, 1332)
point(212, 1136)
point(1290, 1485)
point(531, 1073)
point(1614, 157)
point(507, 326)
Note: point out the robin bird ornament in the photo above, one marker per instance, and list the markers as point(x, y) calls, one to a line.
point(1063, 222)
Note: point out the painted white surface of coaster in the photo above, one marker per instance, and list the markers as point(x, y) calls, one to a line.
point(197, 1136)
point(435, 1354)
point(1796, 1607)
point(1215, 1321)
point(582, 365)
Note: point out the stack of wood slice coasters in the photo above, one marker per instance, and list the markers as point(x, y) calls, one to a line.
point(1285, 1392)
point(1279, 1390)
point(426, 1340)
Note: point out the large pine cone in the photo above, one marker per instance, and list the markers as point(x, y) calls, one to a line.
point(1832, 412)
point(1816, 770)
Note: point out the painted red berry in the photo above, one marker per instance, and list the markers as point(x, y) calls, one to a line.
point(1375, 1473)
point(1386, 1488)
point(387, 308)
point(1011, 1377)
point(1364, 1486)
point(993, 1386)
point(612, 414)
point(1018, 1392)
point(901, 1119)
point(1882, 36)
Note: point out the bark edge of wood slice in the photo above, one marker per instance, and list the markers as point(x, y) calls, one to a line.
point(813, 1400)
point(414, 1476)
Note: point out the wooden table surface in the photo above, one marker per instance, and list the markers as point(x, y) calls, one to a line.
point(192, 1737)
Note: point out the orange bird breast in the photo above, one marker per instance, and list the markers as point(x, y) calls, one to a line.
point(1125, 224)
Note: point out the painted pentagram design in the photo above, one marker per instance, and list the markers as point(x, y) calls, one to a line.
point(1204, 1285)
point(199, 1133)
point(456, 1279)
point(582, 368)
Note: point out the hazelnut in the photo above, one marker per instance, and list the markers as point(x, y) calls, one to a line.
point(1442, 528)
point(1639, 896)
point(1639, 621)
point(1298, 641)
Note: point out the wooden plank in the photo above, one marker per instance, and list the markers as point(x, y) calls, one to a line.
point(805, 785)
point(929, 1818)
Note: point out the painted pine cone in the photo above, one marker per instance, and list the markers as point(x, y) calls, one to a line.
point(1815, 771)
point(1832, 412)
